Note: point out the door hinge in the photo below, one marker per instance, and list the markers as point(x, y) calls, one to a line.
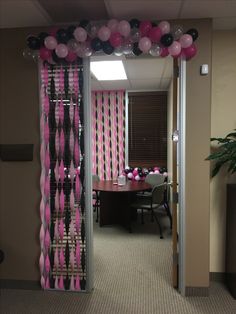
point(175, 197)
point(175, 258)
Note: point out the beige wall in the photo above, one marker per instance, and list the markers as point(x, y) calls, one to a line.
point(223, 115)
point(19, 181)
point(169, 130)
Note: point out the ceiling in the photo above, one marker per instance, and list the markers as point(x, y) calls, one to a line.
point(143, 73)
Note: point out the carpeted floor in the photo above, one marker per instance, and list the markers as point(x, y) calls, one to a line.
point(132, 275)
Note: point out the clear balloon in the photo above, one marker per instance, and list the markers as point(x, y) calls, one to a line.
point(72, 45)
point(177, 31)
point(155, 50)
point(127, 48)
point(35, 55)
point(118, 51)
point(135, 35)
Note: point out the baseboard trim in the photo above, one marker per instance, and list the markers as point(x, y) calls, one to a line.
point(196, 291)
point(218, 277)
point(20, 284)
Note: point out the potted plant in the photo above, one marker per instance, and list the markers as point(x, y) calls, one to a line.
point(225, 154)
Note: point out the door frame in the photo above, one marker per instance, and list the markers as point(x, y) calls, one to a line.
point(88, 177)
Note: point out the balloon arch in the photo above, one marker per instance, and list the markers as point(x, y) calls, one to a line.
point(134, 37)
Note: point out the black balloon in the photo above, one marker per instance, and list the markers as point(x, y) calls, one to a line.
point(136, 49)
point(83, 23)
point(70, 31)
point(134, 23)
point(193, 32)
point(154, 24)
point(33, 42)
point(62, 36)
point(96, 44)
point(41, 37)
point(140, 174)
point(107, 48)
point(167, 40)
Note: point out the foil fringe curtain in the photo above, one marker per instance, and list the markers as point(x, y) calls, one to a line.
point(108, 133)
point(62, 259)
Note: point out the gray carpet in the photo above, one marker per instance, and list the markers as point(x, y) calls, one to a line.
point(132, 275)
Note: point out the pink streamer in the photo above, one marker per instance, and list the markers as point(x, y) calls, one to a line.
point(56, 259)
point(47, 240)
point(61, 259)
point(45, 75)
point(47, 264)
point(57, 113)
point(77, 187)
point(47, 285)
point(61, 112)
point(76, 154)
point(47, 214)
point(72, 259)
point(57, 143)
point(46, 133)
point(72, 283)
point(70, 75)
point(76, 118)
point(57, 200)
point(76, 83)
point(72, 200)
point(56, 232)
point(71, 142)
point(77, 283)
point(61, 283)
point(47, 187)
point(72, 230)
point(72, 171)
point(61, 229)
point(71, 111)
point(77, 220)
point(42, 182)
point(62, 201)
point(61, 80)
point(41, 263)
point(42, 153)
point(62, 143)
point(56, 285)
point(42, 208)
point(62, 171)
point(47, 161)
point(56, 171)
point(77, 254)
point(42, 236)
point(42, 282)
point(46, 104)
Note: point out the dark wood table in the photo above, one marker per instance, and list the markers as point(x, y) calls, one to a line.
point(115, 201)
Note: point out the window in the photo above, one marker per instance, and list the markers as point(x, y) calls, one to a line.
point(148, 129)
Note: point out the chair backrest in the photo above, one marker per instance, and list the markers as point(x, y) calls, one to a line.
point(154, 179)
point(158, 193)
point(95, 178)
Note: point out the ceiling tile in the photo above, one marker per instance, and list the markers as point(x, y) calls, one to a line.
point(224, 23)
point(148, 9)
point(145, 68)
point(67, 11)
point(208, 8)
point(22, 13)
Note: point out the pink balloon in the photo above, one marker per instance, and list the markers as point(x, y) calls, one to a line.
point(115, 39)
point(165, 27)
point(113, 25)
point(61, 283)
point(44, 53)
point(190, 51)
point(164, 52)
point(61, 51)
point(71, 57)
point(145, 27)
point(144, 44)
point(135, 172)
point(80, 34)
point(50, 42)
point(174, 49)
point(104, 33)
point(72, 283)
point(155, 34)
point(186, 40)
point(124, 28)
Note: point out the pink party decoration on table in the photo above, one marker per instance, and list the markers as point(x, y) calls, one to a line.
point(46, 133)
point(112, 25)
point(124, 28)
point(72, 259)
point(47, 161)
point(56, 284)
point(62, 201)
point(57, 143)
point(77, 187)
point(56, 230)
point(61, 229)
point(77, 283)
point(155, 34)
point(61, 283)
point(80, 34)
point(77, 220)
point(56, 171)
point(62, 171)
point(104, 33)
point(186, 40)
point(164, 26)
point(42, 237)
point(72, 171)
point(72, 283)
point(45, 54)
point(61, 50)
point(71, 141)
point(72, 200)
point(42, 208)
point(42, 282)
point(145, 27)
point(56, 258)
point(41, 263)
point(61, 112)
point(61, 258)
point(46, 187)
point(46, 104)
point(57, 200)
point(115, 39)
point(47, 264)
point(47, 240)
point(76, 119)
point(72, 230)
point(50, 42)
point(76, 154)
point(47, 214)
point(62, 143)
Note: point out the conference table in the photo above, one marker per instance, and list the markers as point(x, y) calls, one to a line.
point(115, 201)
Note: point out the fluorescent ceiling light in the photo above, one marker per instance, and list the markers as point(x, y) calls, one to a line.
point(108, 70)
